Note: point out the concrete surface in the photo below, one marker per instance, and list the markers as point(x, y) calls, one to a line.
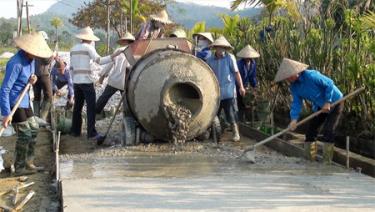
point(195, 181)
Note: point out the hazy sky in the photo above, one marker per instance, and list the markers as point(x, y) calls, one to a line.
point(8, 7)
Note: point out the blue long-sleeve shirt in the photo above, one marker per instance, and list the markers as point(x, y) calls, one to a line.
point(248, 74)
point(204, 54)
point(17, 74)
point(62, 78)
point(314, 87)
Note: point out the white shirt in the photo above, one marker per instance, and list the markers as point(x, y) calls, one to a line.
point(116, 71)
point(81, 56)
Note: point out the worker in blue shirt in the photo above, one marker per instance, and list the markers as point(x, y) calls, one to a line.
point(225, 68)
point(19, 72)
point(60, 76)
point(247, 67)
point(203, 40)
point(321, 91)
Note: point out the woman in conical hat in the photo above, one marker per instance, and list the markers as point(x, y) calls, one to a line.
point(203, 40)
point(154, 28)
point(247, 67)
point(116, 73)
point(320, 90)
point(225, 68)
point(19, 72)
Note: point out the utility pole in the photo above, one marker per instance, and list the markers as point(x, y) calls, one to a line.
point(19, 17)
point(27, 15)
point(108, 26)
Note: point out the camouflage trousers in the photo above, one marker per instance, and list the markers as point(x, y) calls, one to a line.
point(27, 132)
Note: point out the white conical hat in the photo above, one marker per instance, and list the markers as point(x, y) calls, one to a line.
point(248, 52)
point(87, 34)
point(179, 33)
point(221, 42)
point(162, 17)
point(289, 68)
point(207, 35)
point(127, 36)
point(34, 44)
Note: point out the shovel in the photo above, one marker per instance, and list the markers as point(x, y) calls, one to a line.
point(18, 102)
point(101, 140)
point(248, 154)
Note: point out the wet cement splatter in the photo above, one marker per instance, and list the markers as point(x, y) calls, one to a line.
point(179, 118)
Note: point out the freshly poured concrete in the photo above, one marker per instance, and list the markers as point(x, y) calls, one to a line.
point(194, 181)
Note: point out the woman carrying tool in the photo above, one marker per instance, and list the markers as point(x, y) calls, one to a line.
point(19, 73)
point(321, 91)
point(247, 67)
point(116, 73)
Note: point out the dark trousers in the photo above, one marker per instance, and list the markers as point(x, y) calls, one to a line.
point(59, 85)
point(43, 84)
point(103, 99)
point(22, 114)
point(330, 121)
point(82, 93)
point(228, 105)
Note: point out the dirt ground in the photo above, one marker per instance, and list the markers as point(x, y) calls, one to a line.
point(45, 198)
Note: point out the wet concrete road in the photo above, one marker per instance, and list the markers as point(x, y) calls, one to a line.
point(195, 181)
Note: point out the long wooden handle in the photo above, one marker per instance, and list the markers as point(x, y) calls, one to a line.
point(117, 110)
point(18, 102)
point(304, 120)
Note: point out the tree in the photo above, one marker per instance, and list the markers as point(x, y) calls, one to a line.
point(94, 14)
point(56, 22)
point(271, 6)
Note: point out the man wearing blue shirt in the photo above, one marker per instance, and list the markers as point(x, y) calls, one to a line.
point(247, 67)
point(225, 68)
point(321, 91)
point(19, 72)
point(60, 76)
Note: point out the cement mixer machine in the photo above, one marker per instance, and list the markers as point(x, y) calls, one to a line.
point(171, 94)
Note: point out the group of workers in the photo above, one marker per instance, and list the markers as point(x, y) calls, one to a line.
point(33, 60)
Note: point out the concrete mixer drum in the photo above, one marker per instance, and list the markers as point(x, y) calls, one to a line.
point(172, 85)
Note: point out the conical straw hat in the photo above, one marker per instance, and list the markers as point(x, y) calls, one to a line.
point(180, 33)
point(289, 68)
point(207, 35)
point(221, 42)
point(127, 36)
point(34, 44)
point(162, 17)
point(87, 34)
point(248, 52)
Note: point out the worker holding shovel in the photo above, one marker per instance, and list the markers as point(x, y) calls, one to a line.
point(311, 85)
point(19, 75)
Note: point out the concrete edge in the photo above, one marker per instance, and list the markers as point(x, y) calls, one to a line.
point(367, 165)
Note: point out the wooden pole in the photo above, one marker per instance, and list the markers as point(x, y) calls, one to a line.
point(347, 152)
point(108, 26)
point(131, 16)
point(27, 17)
point(19, 17)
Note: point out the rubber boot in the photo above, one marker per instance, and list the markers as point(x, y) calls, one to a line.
point(23, 138)
point(328, 150)
point(45, 109)
point(311, 150)
point(236, 133)
point(30, 154)
point(36, 108)
point(217, 126)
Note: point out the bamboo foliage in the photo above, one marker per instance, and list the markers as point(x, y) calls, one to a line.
point(343, 49)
